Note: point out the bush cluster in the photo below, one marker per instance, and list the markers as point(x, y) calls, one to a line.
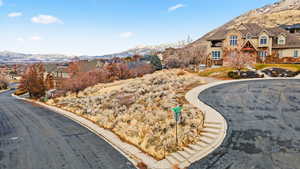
point(243, 75)
point(110, 72)
point(3, 83)
point(33, 81)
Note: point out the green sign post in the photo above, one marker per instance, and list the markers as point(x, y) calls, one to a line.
point(177, 116)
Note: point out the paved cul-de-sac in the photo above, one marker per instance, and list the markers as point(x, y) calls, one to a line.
point(264, 125)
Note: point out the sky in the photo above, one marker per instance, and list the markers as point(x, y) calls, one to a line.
point(97, 27)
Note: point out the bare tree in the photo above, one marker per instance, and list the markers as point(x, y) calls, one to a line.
point(33, 81)
point(238, 59)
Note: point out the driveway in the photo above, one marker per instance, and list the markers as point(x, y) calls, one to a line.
point(264, 125)
point(32, 137)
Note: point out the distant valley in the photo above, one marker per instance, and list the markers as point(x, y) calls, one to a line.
point(14, 57)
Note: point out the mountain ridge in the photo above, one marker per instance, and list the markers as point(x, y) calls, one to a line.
point(283, 12)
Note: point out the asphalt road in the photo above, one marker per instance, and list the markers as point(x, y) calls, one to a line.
point(32, 137)
point(264, 125)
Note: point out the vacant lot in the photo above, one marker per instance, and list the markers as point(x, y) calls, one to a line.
point(139, 110)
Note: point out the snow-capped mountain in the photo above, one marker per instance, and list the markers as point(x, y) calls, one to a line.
point(14, 57)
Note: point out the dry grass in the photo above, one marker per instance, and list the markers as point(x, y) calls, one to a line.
point(139, 110)
point(291, 67)
point(220, 72)
point(287, 17)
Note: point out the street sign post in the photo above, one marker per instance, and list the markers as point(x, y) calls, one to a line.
point(177, 116)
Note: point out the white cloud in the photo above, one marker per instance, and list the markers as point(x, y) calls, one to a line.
point(14, 14)
point(1, 2)
point(20, 39)
point(126, 34)
point(35, 38)
point(45, 19)
point(173, 8)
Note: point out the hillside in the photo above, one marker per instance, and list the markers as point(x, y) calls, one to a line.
point(122, 106)
point(280, 13)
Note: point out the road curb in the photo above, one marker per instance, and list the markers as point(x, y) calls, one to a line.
point(102, 133)
point(2, 91)
point(212, 117)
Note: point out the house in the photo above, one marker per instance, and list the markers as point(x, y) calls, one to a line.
point(259, 42)
point(59, 71)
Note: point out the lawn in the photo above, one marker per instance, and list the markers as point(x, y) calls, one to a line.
point(291, 67)
point(220, 72)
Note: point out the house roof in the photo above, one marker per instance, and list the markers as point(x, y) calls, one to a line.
point(50, 67)
point(292, 40)
point(252, 28)
point(219, 35)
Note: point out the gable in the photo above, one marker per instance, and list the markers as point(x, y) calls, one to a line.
point(241, 27)
point(263, 33)
point(248, 46)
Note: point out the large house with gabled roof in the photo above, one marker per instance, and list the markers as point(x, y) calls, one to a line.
point(260, 42)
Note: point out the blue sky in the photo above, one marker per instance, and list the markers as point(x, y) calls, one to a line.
point(96, 27)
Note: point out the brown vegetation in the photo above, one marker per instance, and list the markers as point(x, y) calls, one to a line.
point(33, 81)
point(181, 58)
point(80, 80)
point(142, 165)
point(238, 59)
point(139, 110)
point(3, 83)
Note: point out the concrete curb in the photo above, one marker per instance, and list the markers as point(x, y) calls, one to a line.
point(104, 134)
point(2, 91)
point(212, 118)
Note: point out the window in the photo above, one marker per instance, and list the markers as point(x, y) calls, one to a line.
point(296, 54)
point(263, 40)
point(281, 40)
point(248, 36)
point(280, 54)
point(233, 40)
point(263, 54)
point(216, 55)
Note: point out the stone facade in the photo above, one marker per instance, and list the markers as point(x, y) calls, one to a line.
point(263, 44)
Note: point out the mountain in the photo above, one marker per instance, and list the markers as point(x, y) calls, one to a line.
point(13, 57)
point(148, 49)
point(284, 12)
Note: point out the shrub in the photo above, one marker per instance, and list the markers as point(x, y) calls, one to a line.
point(141, 70)
point(233, 75)
point(142, 165)
point(33, 81)
point(154, 61)
point(3, 83)
point(19, 92)
point(180, 73)
point(173, 63)
point(243, 75)
point(80, 80)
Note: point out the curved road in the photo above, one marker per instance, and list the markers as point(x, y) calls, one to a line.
point(32, 137)
point(264, 125)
